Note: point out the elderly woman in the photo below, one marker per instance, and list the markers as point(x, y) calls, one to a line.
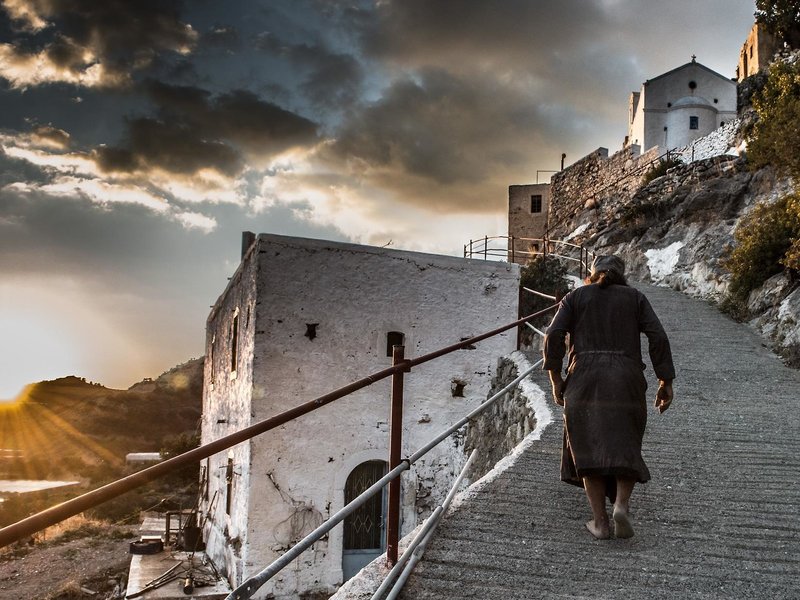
point(605, 410)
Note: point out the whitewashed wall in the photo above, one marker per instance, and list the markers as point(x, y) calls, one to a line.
point(716, 143)
point(226, 409)
point(715, 103)
point(355, 295)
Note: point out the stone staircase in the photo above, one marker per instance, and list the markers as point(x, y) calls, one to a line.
point(720, 519)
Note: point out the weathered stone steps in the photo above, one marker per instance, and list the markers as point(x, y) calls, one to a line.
point(721, 518)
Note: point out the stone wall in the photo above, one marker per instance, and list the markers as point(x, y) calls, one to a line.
point(595, 187)
point(498, 430)
point(523, 222)
point(594, 178)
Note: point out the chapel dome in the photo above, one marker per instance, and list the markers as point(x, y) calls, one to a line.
point(691, 101)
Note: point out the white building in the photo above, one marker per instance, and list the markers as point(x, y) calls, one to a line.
point(674, 109)
point(300, 318)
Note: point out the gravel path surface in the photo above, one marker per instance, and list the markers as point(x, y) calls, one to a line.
point(720, 519)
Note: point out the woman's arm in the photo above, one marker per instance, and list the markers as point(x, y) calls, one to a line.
point(664, 395)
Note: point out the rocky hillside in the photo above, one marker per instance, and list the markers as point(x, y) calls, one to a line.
point(676, 229)
point(90, 428)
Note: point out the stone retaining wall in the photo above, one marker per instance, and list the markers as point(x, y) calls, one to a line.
point(594, 178)
point(599, 180)
point(498, 430)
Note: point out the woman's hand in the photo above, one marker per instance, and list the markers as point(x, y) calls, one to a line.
point(557, 383)
point(664, 396)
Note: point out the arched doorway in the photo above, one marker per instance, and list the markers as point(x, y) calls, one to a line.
point(364, 536)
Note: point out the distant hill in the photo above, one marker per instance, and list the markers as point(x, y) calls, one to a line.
point(69, 427)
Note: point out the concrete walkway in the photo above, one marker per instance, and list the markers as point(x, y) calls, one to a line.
point(720, 518)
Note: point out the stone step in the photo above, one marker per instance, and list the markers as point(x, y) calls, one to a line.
point(720, 519)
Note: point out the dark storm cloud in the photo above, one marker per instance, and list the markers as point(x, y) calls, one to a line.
point(443, 128)
point(174, 147)
point(261, 127)
point(49, 136)
point(128, 246)
point(460, 33)
point(333, 79)
point(15, 170)
point(120, 35)
point(221, 36)
point(194, 131)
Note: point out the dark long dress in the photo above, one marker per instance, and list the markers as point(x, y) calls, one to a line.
point(605, 409)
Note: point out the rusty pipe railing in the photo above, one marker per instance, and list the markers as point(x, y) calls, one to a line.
point(55, 514)
point(252, 584)
point(482, 248)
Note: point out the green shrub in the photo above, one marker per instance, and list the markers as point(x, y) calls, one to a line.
point(174, 445)
point(774, 138)
point(546, 275)
point(767, 240)
point(780, 18)
point(664, 165)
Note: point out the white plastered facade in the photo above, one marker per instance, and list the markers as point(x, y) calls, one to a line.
point(680, 106)
point(288, 480)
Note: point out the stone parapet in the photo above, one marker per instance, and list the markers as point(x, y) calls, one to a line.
point(594, 178)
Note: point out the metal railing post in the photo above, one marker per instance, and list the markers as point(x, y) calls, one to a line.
point(395, 451)
point(584, 264)
point(485, 247)
point(512, 249)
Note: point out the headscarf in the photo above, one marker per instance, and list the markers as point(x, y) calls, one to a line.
point(608, 263)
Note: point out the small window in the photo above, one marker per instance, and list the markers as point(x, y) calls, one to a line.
point(311, 330)
point(394, 338)
point(536, 203)
point(694, 122)
point(229, 486)
point(204, 479)
point(234, 340)
point(457, 388)
point(211, 353)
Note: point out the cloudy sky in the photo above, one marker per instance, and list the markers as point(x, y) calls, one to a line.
point(139, 138)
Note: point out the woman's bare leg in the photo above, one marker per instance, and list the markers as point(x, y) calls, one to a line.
point(622, 522)
point(596, 493)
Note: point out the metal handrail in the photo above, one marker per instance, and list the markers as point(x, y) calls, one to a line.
point(540, 294)
point(251, 586)
point(481, 248)
point(421, 539)
point(55, 514)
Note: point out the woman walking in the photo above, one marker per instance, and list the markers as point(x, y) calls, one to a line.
point(605, 409)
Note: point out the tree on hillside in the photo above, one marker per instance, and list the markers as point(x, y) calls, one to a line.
point(543, 274)
point(775, 136)
point(781, 18)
